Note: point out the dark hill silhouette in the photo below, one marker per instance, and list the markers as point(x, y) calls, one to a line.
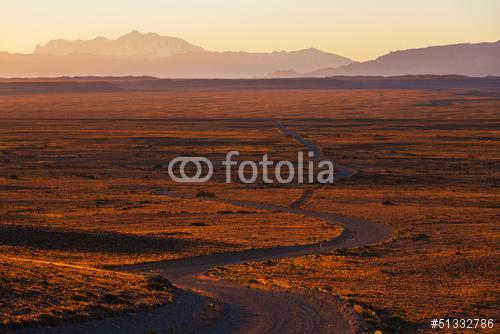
point(112, 84)
point(63, 86)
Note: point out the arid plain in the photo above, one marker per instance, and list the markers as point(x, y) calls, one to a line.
point(83, 188)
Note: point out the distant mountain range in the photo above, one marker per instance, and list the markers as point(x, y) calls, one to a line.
point(155, 55)
point(162, 56)
point(481, 59)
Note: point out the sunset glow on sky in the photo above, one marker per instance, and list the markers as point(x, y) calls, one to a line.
point(359, 29)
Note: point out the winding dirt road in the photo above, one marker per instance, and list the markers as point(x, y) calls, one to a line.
point(275, 311)
point(254, 310)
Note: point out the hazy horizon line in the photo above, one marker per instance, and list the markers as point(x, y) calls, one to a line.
point(246, 51)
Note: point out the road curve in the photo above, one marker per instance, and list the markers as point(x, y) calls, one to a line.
point(275, 311)
point(251, 310)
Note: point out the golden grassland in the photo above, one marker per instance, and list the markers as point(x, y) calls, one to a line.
point(97, 198)
point(81, 195)
point(82, 183)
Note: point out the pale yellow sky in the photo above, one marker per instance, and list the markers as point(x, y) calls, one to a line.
point(359, 29)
